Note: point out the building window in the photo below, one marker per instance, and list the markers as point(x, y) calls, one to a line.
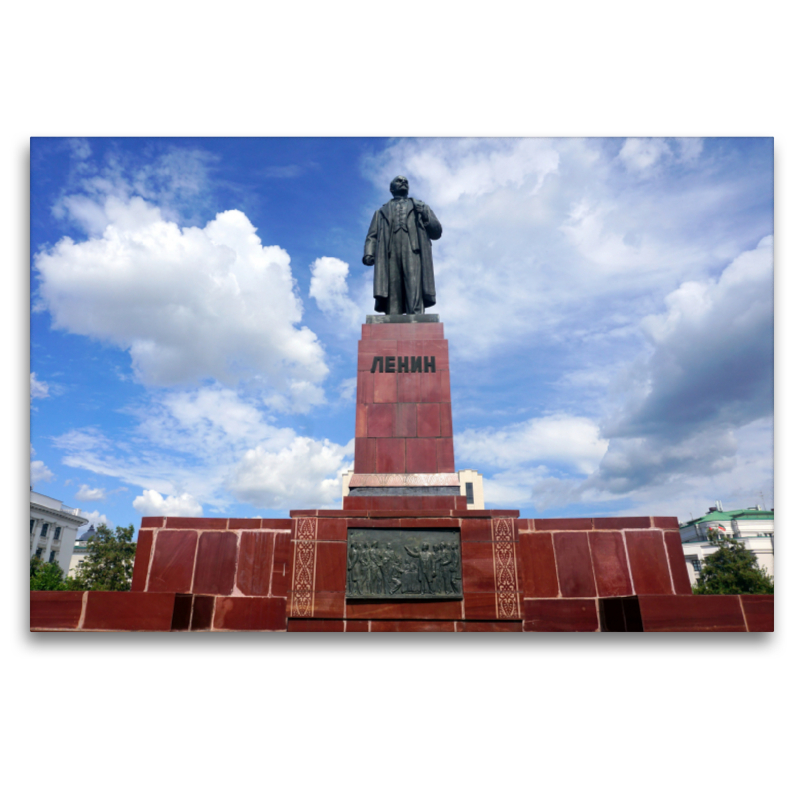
point(57, 534)
point(33, 522)
point(696, 564)
point(52, 556)
point(43, 532)
point(470, 493)
point(39, 553)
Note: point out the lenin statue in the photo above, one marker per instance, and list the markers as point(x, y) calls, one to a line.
point(399, 246)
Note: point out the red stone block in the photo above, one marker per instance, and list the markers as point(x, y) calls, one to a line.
point(59, 610)
point(331, 571)
point(446, 419)
point(526, 526)
point(648, 559)
point(398, 626)
point(327, 605)
point(316, 626)
point(677, 563)
point(387, 331)
point(255, 562)
point(574, 564)
point(202, 612)
point(563, 524)
point(618, 523)
point(244, 523)
point(276, 524)
point(691, 613)
point(421, 455)
point(129, 611)
point(476, 530)
point(356, 626)
point(489, 627)
point(197, 523)
point(281, 565)
point(477, 567)
point(181, 612)
point(365, 385)
point(152, 522)
point(361, 420)
point(487, 605)
point(385, 388)
point(409, 348)
point(390, 455)
point(380, 420)
point(445, 458)
point(440, 351)
point(560, 615)
point(537, 565)
point(610, 564)
point(409, 387)
point(665, 522)
point(173, 561)
point(332, 529)
point(215, 570)
point(250, 614)
point(759, 611)
point(431, 387)
point(405, 419)
point(141, 563)
point(428, 421)
point(416, 609)
point(365, 455)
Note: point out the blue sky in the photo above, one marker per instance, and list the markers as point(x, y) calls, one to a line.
point(196, 305)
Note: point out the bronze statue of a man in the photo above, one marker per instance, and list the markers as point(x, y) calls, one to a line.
point(399, 246)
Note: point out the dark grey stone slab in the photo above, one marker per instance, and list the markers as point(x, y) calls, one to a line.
point(403, 564)
point(399, 491)
point(375, 319)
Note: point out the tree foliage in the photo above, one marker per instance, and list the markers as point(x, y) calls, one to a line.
point(46, 576)
point(733, 569)
point(108, 566)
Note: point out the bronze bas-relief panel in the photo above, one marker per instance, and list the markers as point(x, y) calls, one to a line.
point(401, 564)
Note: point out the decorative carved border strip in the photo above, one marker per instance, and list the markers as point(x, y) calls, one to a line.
point(505, 569)
point(304, 568)
point(403, 479)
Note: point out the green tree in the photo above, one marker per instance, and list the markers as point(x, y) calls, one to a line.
point(46, 576)
point(108, 566)
point(733, 569)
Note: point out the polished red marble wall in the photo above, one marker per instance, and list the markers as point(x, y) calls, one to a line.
point(536, 575)
point(404, 420)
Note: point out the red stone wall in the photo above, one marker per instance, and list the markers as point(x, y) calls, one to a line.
point(538, 575)
point(404, 421)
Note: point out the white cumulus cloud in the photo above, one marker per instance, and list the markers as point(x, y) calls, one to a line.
point(329, 290)
point(38, 388)
point(187, 303)
point(85, 492)
point(574, 442)
point(304, 474)
point(152, 504)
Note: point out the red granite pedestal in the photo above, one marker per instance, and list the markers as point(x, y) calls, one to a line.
point(620, 574)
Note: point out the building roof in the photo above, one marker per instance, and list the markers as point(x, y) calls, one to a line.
point(84, 537)
point(727, 516)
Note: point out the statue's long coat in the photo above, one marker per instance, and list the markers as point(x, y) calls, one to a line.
point(377, 245)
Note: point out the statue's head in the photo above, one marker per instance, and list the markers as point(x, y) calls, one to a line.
point(399, 186)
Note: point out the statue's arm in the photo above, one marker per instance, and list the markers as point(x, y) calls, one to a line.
point(371, 243)
point(432, 225)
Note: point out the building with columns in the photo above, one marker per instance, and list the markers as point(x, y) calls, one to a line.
point(53, 529)
point(753, 527)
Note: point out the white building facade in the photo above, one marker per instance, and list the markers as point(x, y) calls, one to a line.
point(753, 527)
point(53, 530)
